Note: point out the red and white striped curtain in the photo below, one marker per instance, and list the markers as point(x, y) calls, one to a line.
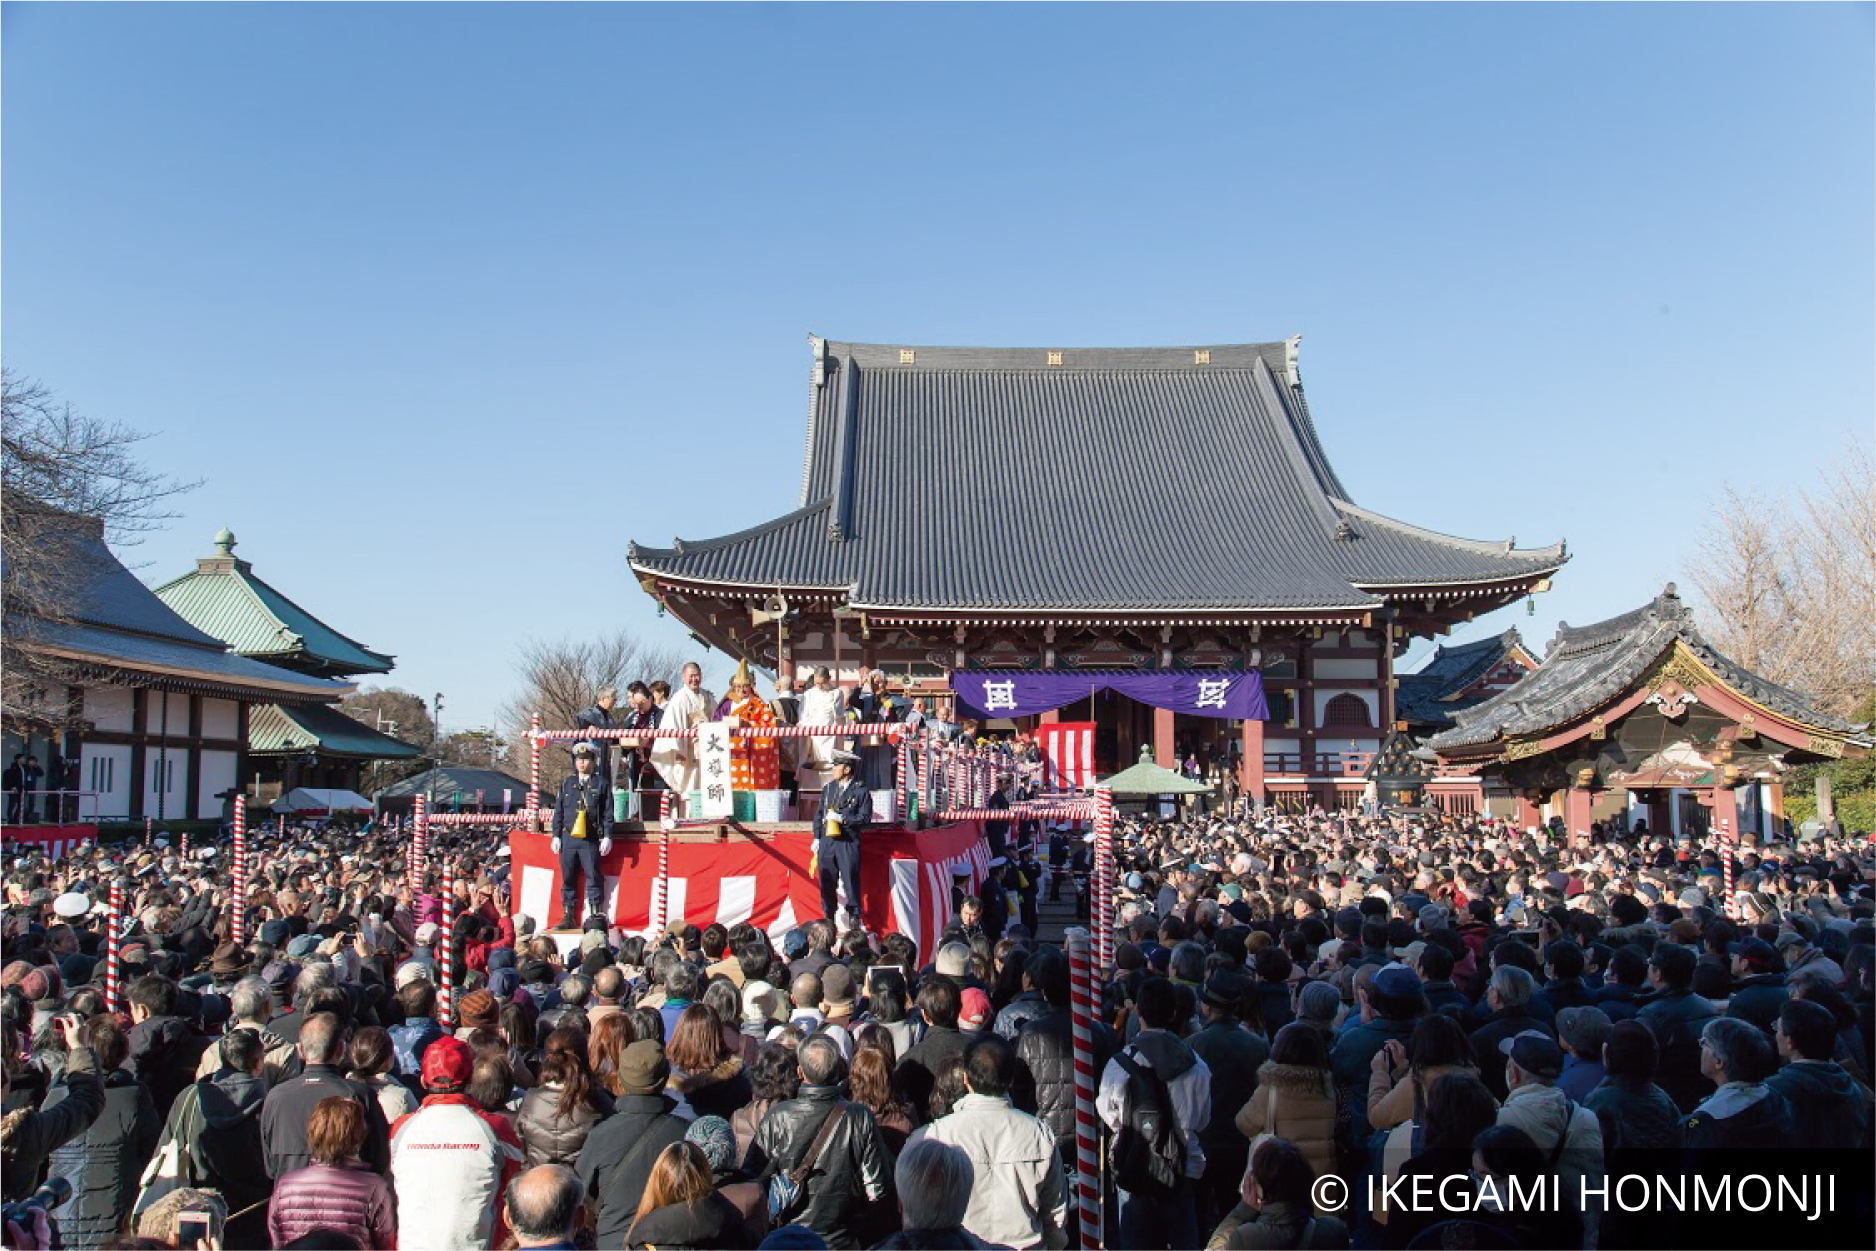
point(1067, 755)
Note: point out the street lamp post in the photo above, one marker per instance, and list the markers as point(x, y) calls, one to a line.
point(436, 748)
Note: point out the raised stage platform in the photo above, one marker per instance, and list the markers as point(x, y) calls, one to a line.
point(735, 872)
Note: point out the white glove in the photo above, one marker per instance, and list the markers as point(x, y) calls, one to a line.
point(556, 844)
point(605, 845)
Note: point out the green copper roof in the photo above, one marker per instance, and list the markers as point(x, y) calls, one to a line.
point(1147, 778)
point(275, 728)
point(223, 597)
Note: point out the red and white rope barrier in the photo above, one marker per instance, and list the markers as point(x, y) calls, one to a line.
point(113, 949)
point(1082, 1011)
point(475, 818)
point(776, 731)
point(446, 949)
point(1061, 812)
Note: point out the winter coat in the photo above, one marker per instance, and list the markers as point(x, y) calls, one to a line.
point(1636, 1115)
point(105, 1164)
point(745, 1123)
point(30, 1135)
point(852, 1174)
point(408, 1042)
point(1828, 1107)
point(719, 1091)
point(1296, 1102)
point(615, 1161)
point(1351, 1060)
point(394, 1098)
point(1276, 1225)
point(1677, 1017)
point(1020, 1196)
point(223, 1138)
point(1045, 1070)
point(1023, 1009)
point(953, 1239)
point(1546, 1114)
point(1273, 1006)
point(289, 1108)
point(451, 1162)
point(347, 1198)
point(1619, 1002)
point(711, 1222)
point(1739, 1114)
point(163, 1054)
point(919, 1068)
point(1391, 1104)
point(1233, 1052)
point(548, 1138)
point(1188, 1080)
point(1503, 1024)
point(1758, 999)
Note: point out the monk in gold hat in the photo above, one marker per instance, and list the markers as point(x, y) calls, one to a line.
point(755, 762)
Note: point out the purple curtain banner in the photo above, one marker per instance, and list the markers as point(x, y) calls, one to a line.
point(1234, 694)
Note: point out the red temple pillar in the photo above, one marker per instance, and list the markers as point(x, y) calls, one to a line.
point(1576, 806)
point(1165, 751)
point(1251, 768)
point(1529, 815)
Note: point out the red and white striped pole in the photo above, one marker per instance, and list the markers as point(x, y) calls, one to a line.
point(1104, 876)
point(446, 949)
point(927, 777)
point(418, 849)
point(661, 889)
point(534, 768)
point(185, 840)
point(1082, 1012)
point(149, 831)
point(280, 827)
point(905, 774)
point(113, 948)
point(1726, 872)
point(238, 923)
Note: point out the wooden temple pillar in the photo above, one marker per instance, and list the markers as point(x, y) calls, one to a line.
point(1576, 811)
point(1251, 767)
point(1165, 750)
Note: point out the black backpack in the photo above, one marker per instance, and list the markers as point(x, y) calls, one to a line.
point(1149, 1151)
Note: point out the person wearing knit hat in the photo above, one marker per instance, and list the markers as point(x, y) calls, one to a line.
point(716, 1140)
point(475, 1010)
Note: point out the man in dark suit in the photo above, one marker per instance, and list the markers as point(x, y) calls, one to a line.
point(787, 708)
point(635, 761)
point(599, 717)
point(582, 834)
point(846, 806)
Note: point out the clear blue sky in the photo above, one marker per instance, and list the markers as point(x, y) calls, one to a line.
point(449, 302)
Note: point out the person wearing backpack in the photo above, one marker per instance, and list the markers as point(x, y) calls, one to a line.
point(1156, 1097)
point(821, 1156)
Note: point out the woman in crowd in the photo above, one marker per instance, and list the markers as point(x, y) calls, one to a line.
point(775, 1080)
point(1278, 1210)
point(558, 1114)
point(681, 1206)
point(869, 1080)
point(704, 1072)
point(337, 1192)
point(611, 1036)
point(1458, 1108)
point(372, 1056)
point(1295, 1096)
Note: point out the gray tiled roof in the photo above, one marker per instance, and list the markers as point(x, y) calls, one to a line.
point(212, 664)
point(1589, 666)
point(1423, 695)
point(1120, 479)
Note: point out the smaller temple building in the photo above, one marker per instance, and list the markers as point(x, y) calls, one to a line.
point(289, 744)
point(1638, 719)
point(1459, 677)
point(139, 713)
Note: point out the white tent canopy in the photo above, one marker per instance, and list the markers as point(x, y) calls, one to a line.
point(310, 799)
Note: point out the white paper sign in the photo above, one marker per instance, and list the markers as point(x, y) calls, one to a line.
point(713, 770)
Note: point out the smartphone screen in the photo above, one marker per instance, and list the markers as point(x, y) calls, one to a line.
point(874, 972)
point(193, 1225)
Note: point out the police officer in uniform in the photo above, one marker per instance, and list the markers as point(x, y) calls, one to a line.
point(582, 833)
point(846, 806)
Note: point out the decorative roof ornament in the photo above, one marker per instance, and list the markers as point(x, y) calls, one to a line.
point(225, 541)
point(1344, 533)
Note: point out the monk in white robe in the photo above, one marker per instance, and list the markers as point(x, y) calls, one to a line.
point(675, 759)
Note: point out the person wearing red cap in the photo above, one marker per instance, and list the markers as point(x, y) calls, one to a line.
point(451, 1159)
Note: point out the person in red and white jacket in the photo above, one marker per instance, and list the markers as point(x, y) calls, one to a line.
point(451, 1160)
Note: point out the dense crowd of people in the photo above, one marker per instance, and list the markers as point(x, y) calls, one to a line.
point(1407, 1003)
